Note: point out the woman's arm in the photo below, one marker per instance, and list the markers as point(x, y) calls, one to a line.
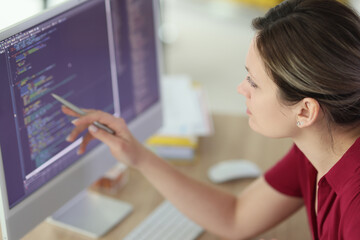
point(257, 209)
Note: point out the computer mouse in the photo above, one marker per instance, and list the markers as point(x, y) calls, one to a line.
point(233, 169)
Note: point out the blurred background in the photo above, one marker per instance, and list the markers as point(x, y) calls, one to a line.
point(204, 39)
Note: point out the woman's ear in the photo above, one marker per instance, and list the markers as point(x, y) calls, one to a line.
point(307, 112)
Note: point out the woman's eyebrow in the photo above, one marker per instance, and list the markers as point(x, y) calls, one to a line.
point(248, 70)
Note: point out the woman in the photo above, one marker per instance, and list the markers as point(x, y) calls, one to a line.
point(303, 83)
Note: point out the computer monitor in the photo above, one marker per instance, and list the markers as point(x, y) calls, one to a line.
point(71, 50)
point(138, 61)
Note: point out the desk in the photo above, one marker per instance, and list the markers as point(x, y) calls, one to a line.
point(232, 139)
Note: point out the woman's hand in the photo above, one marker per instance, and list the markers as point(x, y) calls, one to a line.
point(122, 144)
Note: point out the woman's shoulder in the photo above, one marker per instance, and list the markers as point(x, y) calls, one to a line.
point(298, 155)
point(351, 193)
point(351, 206)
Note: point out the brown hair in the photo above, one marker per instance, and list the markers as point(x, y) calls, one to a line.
point(311, 48)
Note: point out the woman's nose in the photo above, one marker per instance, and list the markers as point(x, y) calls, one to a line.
point(243, 89)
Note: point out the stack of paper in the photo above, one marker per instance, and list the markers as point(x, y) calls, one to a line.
point(173, 148)
point(186, 117)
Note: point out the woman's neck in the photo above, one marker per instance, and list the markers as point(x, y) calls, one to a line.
point(324, 150)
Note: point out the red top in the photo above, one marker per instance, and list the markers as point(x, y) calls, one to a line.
point(338, 195)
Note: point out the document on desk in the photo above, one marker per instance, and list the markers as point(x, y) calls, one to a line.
point(185, 108)
point(186, 117)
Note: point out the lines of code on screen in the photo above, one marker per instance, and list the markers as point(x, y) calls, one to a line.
point(34, 77)
point(67, 54)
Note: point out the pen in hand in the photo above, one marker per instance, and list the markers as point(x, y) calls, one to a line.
point(81, 112)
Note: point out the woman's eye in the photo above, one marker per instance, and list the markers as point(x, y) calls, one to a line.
point(252, 84)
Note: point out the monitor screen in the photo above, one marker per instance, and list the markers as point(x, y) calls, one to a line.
point(135, 51)
point(138, 63)
point(61, 55)
point(99, 54)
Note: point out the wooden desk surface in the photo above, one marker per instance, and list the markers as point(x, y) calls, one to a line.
point(232, 139)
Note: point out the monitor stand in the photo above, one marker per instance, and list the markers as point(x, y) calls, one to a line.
point(91, 214)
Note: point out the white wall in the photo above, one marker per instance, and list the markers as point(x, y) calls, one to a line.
point(13, 11)
point(355, 4)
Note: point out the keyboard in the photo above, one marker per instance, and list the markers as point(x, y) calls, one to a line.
point(165, 223)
